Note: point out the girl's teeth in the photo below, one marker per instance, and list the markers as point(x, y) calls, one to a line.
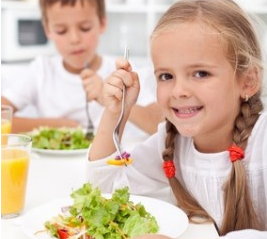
point(187, 111)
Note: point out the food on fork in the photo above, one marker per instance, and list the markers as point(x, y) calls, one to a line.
point(123, 159)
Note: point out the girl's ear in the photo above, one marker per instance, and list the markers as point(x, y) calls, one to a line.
point(250, 82)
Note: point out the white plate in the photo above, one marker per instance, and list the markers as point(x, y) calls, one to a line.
point(171, 220)
point(54, 152)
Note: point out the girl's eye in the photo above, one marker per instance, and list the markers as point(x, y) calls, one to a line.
point(201, 74)
point(165, 77)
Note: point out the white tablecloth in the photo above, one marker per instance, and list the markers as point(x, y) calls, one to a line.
point(53, 177)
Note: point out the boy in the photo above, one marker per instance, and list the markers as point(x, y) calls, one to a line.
point(56, 85)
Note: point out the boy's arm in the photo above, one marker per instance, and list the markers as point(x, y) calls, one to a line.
point(20, 124)
point(147, 117)
point(23, 124)
point(5, 101)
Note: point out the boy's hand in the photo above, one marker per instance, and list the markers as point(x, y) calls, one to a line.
point(112, 92)
point(93, 85)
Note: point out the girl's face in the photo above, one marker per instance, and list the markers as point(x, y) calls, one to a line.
point(75, 30)
point(196, 85)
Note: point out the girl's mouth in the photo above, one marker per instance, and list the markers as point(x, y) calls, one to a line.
point(186, 112)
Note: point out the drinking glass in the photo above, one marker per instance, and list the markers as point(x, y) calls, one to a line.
point(6, 118)
point(15, 159)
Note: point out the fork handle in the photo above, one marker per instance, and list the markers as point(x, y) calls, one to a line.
point(122, 109)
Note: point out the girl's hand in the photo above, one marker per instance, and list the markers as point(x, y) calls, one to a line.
point(103, 144)
point(112, 92)
point(93, 85)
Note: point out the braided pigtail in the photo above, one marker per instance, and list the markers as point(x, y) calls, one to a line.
point(183, 197)
point(239, 212)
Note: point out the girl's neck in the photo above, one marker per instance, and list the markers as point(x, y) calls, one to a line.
point(213, 145)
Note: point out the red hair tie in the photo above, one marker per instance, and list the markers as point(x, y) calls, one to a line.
point(236, 153)
point(169, 168)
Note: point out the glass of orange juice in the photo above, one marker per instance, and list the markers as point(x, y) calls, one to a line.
point(6, 118)
point(15, 159)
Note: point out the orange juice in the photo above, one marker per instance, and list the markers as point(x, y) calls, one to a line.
point(6, 118)
point(5, 126)
point(5, 129)
point(14, 171)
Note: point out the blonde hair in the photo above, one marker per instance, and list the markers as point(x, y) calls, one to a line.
point(239, 40)
point(100, 5)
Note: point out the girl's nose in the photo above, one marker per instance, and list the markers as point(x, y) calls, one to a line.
point(181, 89)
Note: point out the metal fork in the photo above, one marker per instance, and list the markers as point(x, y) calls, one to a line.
point(117, 128)
point(89, 134)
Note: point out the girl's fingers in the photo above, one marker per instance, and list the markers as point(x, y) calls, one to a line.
point(125, 78)
point(113, 89)
point(124, 64)
point(114, 92)
point(135, 77)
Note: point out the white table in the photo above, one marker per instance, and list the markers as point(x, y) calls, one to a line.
point(52, 177)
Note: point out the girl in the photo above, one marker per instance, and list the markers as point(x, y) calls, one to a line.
point(211, 152)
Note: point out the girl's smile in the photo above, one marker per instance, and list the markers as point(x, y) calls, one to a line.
point(187, 111)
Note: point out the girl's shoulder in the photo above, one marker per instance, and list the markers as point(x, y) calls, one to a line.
point(261, 124)
point(258, 136)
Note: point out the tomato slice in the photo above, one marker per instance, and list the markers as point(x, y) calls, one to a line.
point(63, 233)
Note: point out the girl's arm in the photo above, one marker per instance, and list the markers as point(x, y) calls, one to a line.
point(112, 94)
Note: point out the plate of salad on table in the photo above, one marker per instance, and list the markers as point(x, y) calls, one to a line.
point(59, 141)
point(88, 214)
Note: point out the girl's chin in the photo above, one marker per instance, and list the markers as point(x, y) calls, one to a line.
point(186, 130)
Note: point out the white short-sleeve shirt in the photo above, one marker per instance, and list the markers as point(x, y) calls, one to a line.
point(54, 92)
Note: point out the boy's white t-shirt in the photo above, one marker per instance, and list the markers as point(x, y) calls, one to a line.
point(56, 93)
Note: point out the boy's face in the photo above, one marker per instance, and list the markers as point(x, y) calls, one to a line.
point(75, 31)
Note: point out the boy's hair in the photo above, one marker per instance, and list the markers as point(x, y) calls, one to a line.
point(242, 48)
point(100, 5)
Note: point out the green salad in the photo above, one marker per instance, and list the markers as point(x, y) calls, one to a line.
point(59, 138)
point(93, 216)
